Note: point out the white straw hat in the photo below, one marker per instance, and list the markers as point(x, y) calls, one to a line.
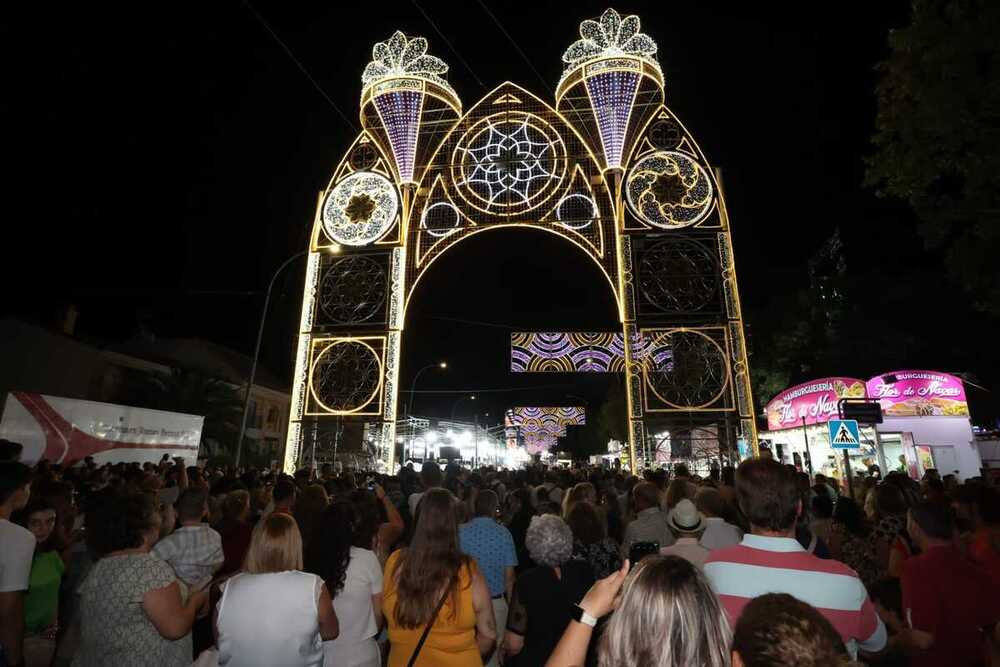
point(685, 517)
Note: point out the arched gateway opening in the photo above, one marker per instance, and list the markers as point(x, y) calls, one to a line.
point(464, 311)
point(608, 168)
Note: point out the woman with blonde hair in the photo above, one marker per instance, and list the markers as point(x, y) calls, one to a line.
point(435, 599)
point(667, 616)
point(273, 613)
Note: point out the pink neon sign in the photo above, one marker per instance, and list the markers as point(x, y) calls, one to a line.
point(815, 401)
point(919, 394)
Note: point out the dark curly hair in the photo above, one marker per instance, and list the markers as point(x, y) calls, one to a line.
point(329, 552)
point(776, 630)
point(118, 521)
point(367, 508)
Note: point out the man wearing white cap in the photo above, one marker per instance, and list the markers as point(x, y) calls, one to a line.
point(687, 523)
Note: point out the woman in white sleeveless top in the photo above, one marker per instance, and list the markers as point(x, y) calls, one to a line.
point(274, 614)
point(341, 553)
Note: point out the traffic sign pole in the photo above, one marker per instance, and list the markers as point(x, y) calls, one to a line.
point(849, 474)
point(845, 434)
point(809, 458)
point(880, 453)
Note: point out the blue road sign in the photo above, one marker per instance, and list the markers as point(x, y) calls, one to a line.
point(844, 434)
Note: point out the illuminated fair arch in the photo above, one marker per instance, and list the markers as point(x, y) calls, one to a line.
point(605, 166)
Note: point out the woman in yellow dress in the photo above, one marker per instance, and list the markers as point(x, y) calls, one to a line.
point(433, 568)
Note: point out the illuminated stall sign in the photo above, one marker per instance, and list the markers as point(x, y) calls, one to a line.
point(919, 394)
point(815, 401)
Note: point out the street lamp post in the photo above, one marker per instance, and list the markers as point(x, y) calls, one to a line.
point(409, 405)
point(470, 397)
point(256, 351)
point(413, 385)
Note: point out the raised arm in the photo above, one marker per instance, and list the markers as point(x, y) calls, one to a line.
point(571, 651)
point(390, 531)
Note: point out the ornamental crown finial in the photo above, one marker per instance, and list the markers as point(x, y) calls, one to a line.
point(609, 36)
point(401, 56)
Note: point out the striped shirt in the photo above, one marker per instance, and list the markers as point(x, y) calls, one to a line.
point(761, 565)
point(195, 553)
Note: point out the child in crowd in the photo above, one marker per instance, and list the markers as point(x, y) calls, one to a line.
point(195, 549)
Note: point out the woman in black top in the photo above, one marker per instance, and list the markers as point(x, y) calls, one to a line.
point(544, 595)
point(591, 543)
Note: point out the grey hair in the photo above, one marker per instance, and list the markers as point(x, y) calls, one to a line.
point(549, 540)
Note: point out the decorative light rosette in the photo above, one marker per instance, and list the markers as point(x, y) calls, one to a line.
point(401, 56)
point(360, 209)
point(509, 163)
point(668, 189)
point(608, 37)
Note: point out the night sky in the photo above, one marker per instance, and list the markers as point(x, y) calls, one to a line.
point(169, 159)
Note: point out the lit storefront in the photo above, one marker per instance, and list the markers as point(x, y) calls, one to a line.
point(926, 425)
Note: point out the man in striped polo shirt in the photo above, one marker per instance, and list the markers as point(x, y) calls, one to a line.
point(770, 560)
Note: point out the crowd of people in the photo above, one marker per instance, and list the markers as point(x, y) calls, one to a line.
point(759, 565)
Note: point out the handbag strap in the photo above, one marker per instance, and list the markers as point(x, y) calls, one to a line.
point(427, 630)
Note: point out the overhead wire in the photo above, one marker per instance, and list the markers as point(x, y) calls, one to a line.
point(517, 47)
point(527, 60)
point(298, 63)
point(473, 322)
point(495, 325)
point(494, 390)
point(307, 230)
point(449, 44)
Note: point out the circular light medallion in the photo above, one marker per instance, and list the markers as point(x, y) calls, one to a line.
point(363, 156)
point(346, 376)
point(360, 209)
point(576, 211)
point(669, 190)
point(665, 134)
point(678, 275)
point(686, 369)
point(440, 219)
point(509, 163)
point(352, 290)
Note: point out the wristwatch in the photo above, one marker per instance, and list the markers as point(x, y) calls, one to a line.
point(580, 615)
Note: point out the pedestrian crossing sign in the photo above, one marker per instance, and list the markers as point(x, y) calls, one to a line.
point(844, 434)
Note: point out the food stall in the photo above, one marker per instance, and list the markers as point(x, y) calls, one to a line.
point(927, 414)
point(797, 431)
point(926, 425)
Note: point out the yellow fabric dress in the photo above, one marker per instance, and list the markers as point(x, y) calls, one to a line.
point(452, 639)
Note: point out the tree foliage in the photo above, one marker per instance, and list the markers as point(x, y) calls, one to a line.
point(937, 135)
point(608, 422)
point(192, 392)
point(806, 336)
